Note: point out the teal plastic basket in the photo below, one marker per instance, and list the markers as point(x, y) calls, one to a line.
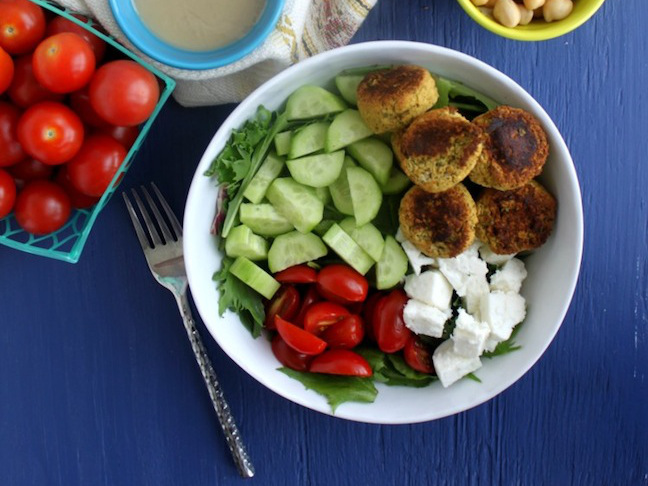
point(67, 243)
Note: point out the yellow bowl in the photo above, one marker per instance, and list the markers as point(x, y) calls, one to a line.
point(538, 29)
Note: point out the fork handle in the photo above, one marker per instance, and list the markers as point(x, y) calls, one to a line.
point(232, 435)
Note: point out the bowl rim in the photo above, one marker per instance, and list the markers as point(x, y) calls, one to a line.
point(553, 29)
point(195, 203)
point(138, 33)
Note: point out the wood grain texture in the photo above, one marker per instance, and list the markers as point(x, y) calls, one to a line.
point(98, 385)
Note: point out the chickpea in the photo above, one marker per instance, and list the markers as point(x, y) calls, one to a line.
point(526, 16)
point(507, 13)
point(533, 4)
point(556, 9)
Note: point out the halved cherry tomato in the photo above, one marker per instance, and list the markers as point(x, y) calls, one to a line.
point(341, 362)
point(297, 274)
point(346, 333)
point(11, 152)
point(309, 299)
point(6, 70)
point(284, 303)
point(388, 325)
point(77, 198)
point(342, 284)
point(7, 193)
point(287, 356)
point(321, 315)
point(298, 339)
point(418, 355)
point(367, 313)
point(42, 207)
point(59, 25)
point(22, 25)
point(25, 90)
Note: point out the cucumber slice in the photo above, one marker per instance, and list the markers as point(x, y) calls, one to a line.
point(297, 203)
point(342, 244)
point(367, 236)
point(242, 242)
point(268, 172)
point(396, 183)
point(254, 276)
point(346, 128)
point(392, 266)
point(366, 196)
point(309, 139)
point(294, 248)
point(347, 85)
point(323, 194)
point(282, 142)
point(264, 219)
point(375, 156)
point(323, 226)
point(312, 101)
point(339, 190)
point(318, 170)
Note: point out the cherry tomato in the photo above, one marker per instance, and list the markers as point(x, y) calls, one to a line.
point(80, 104)
point(297, 274)
point(6, 70)
point(341, 362)
point(42, 207)
point(346, 333)
point(284, 303)
point(388, 325)
point(22, 25)
point(287, 356)
point(50, 132)
point(7, 193)
point(94, 167)
point(63, 63)
point(301, 341)
point(59, 25)
point(368, 311)
point(29, 170)
point(124, 135)
point(25, 90)
point(124, 93)
point(418, 355)
point(342, 284)
point(309, 299)
point(11, 152)
point(321, 315)
point(77, 198)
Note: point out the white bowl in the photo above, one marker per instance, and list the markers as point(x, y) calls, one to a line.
point(552, 270)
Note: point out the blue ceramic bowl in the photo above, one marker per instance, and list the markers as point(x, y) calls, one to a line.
point(139, 34)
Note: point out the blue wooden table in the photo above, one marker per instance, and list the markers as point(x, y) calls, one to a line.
point(98, 385)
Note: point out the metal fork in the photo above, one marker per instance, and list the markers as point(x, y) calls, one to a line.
point(164, 255)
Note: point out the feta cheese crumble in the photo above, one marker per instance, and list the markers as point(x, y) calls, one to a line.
point(425, 319)
point(451, 366)
point(430, 287)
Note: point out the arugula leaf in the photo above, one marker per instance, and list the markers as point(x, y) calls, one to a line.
point(387, 219)
point(392, 370)
point(336, 389)
point(473, 377)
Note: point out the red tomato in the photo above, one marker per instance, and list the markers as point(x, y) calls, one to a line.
point(298, 339)
point(6, 70)
point(287, 356)
point(297, 274)
point(309, 299)
point(341, 362)
point(77, 198)
point(7, 193)
point(59, 25)
point(124, 135)
point(30, 169)
point(321, 315)
point(342, 284)
point(124, 93)
point(284, 303)
point(94, 167)
point(368, 311)
point(388, 325)
point(347, 333)
point(418, 355)
point(11, 152)
point(50, 132)
point(63, 63)
point(22, 25)
point(25, 90)
point(42, 207)
point(80, 104)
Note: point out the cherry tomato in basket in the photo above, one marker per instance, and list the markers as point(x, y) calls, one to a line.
point(6, 70)
point(124, 135)
point(346, 333)
point(80, 104)
point(341, 362)
point(284, 303)
point(63, 63)
point(124, 93)
point(309, 299)
point(321, 315)
point(342, 284)
point(389, 328)
point(50, 132)
point(298, 274)
point(287, 356)
point(42, 207)
point(25, 91)
point(59, 25)
point(92, 169)
point(11, 152)
point(22, 25)
point(298, 339)
point(77, 198)
point(418, 355)
point(7, 193)
point(30, 169)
